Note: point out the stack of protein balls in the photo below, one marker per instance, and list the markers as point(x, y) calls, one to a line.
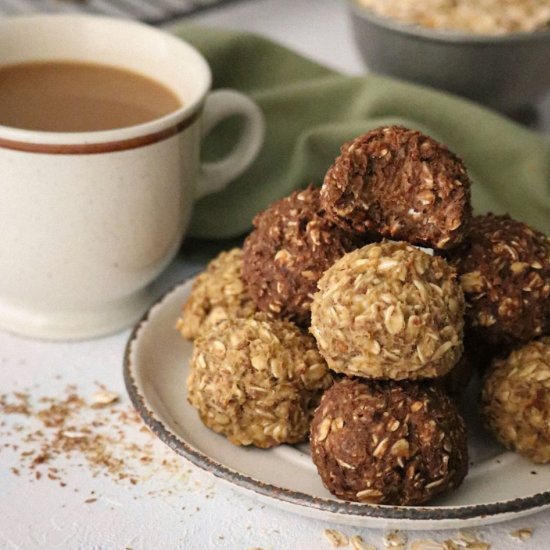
point(321, 326)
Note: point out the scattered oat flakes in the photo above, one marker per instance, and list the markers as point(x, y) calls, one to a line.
point(454, 544)
point(69, 434)
point(357, 543)
point(467, 536)
point(102, 398)
point(466, 540)
point(522, 534)
point(336, 538)
point(478, 545)
point(427, 545)
point(395, 540)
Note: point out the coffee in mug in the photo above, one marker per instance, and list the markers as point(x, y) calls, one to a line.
point(67, 96)
point(93, 209)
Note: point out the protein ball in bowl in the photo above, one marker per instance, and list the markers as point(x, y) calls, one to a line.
point(516, 400)
point(389, 310)
point(218, 293)
point(257, 381)
point(401, 184)
point(504, 270)
point(388, 442)
point(292, 244)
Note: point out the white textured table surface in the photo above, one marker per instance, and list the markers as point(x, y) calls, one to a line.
point(87, 506)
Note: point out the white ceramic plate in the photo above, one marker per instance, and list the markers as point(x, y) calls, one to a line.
point(500, 485)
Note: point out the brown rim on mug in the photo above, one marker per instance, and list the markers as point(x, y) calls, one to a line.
point(95, 148)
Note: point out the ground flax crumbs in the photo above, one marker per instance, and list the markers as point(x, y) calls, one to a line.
point(100, 434)
point(55, 432)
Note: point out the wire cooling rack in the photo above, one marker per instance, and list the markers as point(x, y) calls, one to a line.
point(151, 11)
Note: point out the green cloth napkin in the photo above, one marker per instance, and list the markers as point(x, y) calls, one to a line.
point(311, 110)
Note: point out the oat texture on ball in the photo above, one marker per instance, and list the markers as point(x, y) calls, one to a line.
point(504, 270)
point(217, 294)
point(401, 184)
point(292, 244)
point(389, 310)
point(257, 381)
point(516, 400)
point(388, 442)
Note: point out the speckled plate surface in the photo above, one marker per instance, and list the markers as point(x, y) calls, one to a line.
point(499, 487)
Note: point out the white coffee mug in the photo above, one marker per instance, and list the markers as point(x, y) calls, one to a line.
point(88, 220)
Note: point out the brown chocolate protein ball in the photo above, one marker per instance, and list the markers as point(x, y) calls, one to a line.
point(516, 400)
point(389, 310)
point(388, 442)
point(504, 270)
point(291, 246)
point(218, 293)
point(257, 381)
point(401, 184)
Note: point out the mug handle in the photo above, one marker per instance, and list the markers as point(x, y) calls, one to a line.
point(221, 104)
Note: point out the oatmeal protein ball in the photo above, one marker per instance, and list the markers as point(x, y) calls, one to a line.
point(291, 246)
point(516, 400)
point(401, 184)
point(389, 310)
point(504, 270)
point(257, 381)
point(218, 293)
point(388, 442)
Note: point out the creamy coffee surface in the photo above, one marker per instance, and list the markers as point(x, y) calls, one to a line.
point(65, 96)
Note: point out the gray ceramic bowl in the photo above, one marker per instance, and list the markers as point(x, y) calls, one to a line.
point(507, 72)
